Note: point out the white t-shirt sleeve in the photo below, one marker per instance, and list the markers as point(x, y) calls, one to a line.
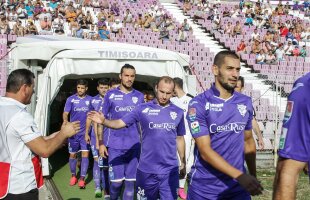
point(25, 127)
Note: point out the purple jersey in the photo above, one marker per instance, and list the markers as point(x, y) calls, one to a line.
point(78, 108)
point(160, 127)
point(295, 137)
point(225, 122)
point(116, 105)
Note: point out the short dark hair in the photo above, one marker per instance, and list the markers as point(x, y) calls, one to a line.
point(82, 82)
point(17, 78)
point(220, 57)
point(127, 66)
point(166, 79)
point(103, 81)
point(179, 82)
point(241, 79)
point(114, 82)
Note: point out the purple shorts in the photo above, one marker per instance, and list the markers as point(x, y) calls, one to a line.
point(77, 143)
point(193, 195)
point(123, 164)
point(155, 186)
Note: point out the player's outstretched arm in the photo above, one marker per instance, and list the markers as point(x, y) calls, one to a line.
point(100, 119)
point(45, 147)
point(285, 183)
point(250, 152)
point(213, 158)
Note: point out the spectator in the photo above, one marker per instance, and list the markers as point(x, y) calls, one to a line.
point(260, 57)
point(283, 30)
point(170, 25)
point(237, 29)
point(83, 23)
point(268, 37)
point(79, 33)
point(104, 34)
point(280, 53)
point(114, 9)
point(73, 27)
point(256, 47)
point(255, 35)
point(21, 11)
point(291, 36)
point(13, 16)
point(216, 22)
point(288, 48)
point(58, 24)
point(91, 33)
point(31, 28)
point(187, 7)
point(164, 34)
point(182, 37)
point(45, 14)
point(95, 4)
point(198, 14)
point(152, 11)
point(117, 27)
point(89, 18)
point(37, 10)
point(228, 29)
point(147, 21)
point(101, 23)
point(30, 9)
point(53, 4)
point(248, 20)
point(241, 47)
point(296, 51)
point(128, 17)
point(139, 22)
point(70, 14)
point(104, 4)
point(46, 24)
point(18, 29)
point(4, 26)
point(271, 58)
point(102, 14)
point(160, 12)
point(226, 13)
point(303, 51)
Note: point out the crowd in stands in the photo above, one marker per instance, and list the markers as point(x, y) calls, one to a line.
point(88, 19)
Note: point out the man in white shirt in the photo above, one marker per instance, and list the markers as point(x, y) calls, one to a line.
point(21, 143)
point(255, 35)
point(181, 100)
point(117, 27)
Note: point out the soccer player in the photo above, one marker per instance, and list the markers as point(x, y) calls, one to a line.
point(294, 144)
point(181, 100)
point(77, 107)
point(97, 104)
point(123, 144)
point(220, 121)
point(162, 125)
point(255, 126)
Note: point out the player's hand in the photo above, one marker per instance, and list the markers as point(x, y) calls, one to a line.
point(87, 138)
point(182, 171)
point(70, 128)
point(306, 170)
point(96, 117)
point(261, 144)
point(103, 151)
point(250, 183)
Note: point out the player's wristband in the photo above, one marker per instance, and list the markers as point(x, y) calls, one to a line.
point(101, 142)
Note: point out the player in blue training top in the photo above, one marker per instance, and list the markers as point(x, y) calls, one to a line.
point(220, 121)
point(92, 139)
point(123, 144)
point(77, 107)
point(294, 145)
point(162, 125)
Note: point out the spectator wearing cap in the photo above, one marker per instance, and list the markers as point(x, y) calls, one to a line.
point(58, 24)
point(117, 27)
point(289, 47)
point(104, 33)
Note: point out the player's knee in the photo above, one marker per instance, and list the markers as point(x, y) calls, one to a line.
point(72, 155)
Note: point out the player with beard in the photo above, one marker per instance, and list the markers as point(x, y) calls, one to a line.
point(162, 125)
point(77, 107)
point(220, 121)
point(123, 144)
point(98, 174)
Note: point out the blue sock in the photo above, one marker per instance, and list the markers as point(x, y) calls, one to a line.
point(84, 167)
point(96, 174)
point(72, 163)
point(115, 190)
point(129, 191)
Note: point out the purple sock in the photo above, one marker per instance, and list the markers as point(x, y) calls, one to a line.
point(84, 167)
point(96, 174)
point(129, 191)
point(105, 180)
point(115, 190)
point(72, 163)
